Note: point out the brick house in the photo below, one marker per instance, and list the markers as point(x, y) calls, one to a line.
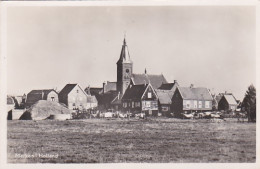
point(190, 99)
point(140, 98)
point(44, 94)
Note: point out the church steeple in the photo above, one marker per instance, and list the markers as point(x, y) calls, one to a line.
point(124, 69)
point(124, 56)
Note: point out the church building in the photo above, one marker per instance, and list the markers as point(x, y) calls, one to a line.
point(125, 77)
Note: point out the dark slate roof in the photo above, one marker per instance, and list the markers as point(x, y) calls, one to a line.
point(66, 90)
point(164, 96)
point(134, 91)
point(36, 95)
point(117, 99)
point(106, 98)
point(110, 86)
point(230, 99)
point(198, 93)
point(155, 80)
point(169, 86)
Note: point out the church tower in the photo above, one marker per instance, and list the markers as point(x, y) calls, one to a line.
point(124, 69)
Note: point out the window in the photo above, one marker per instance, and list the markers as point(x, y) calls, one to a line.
point(73, 104)
point(52, 99)
point(148, 104)
point(206, 104)
point(200, 104)
point(187, 104)
point(137, 104)
point(129, 104)
point(165, 109)
point(149, 95)
point(133, 104)
point(77, 91)
point(127, 70)
point(195, 103)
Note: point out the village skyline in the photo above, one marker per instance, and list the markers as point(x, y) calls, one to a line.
point(57, 47)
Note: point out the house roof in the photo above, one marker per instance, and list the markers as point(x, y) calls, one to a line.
point(155, 80)
point(106, 98)
point(117, 99)
point(66, 90)
point(135, 91)
point(230, 99)
point(36, 95)
point(199, 93)
point(164, 96)
point(110, 86)
point(169, 86)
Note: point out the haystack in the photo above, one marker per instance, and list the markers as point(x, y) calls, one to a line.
point(44, 109)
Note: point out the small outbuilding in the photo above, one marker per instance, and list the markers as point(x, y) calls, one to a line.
point(228, 103)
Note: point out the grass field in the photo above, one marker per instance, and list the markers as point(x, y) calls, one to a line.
point(116, 141)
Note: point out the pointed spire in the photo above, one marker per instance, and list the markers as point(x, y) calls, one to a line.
point(124, 56)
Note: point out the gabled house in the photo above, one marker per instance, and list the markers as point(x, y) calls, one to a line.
point(164, 100)
point(190, 99)
point(227, 102)
point(44, 94)
point(140, 98)
point(74, 97)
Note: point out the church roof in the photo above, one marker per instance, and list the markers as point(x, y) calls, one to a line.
point(155, 80)
point(124, 56)
point(110, 86)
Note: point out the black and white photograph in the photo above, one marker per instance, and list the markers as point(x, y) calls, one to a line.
point(117, 84)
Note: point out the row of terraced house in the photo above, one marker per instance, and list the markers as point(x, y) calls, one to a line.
point(135, 93)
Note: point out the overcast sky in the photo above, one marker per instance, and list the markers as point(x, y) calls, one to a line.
point(211, 47)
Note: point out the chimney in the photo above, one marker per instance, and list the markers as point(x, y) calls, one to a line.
point(104, 83)
point(175, 81)
point(192, 85)
point(145, 71)
point(88, 90)
point(225, 92)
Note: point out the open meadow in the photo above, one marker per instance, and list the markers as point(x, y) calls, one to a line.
point(155, 140)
